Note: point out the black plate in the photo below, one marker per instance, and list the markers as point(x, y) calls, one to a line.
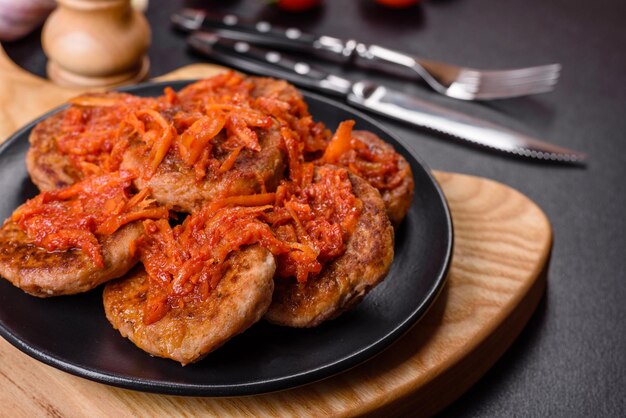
point(72, 333)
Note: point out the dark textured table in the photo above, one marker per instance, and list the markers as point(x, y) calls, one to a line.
point(571, 358)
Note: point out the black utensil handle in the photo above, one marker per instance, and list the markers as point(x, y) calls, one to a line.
point(259, 60)
point(261, 32)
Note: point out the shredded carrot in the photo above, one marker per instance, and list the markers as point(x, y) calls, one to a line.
point(247, 200)
point(340, 142)
point(132, 120)
point(203, 164)
point(301, 232)
point(170, 96)
point(303, 226)
point(375, 161)
point(178, 273)
point(163, 141)
point(76, 216)
point(137, 199)
point(90, 169)
point(294, 154)
point(113, 224)
point(98, 130)
point(242, 135)
point(96, 101)
point(199, 134)
point(230, 160)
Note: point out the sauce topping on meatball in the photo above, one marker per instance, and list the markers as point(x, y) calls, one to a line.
point(305, 224)
point(74, 217)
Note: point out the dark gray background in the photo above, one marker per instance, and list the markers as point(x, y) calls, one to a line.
point(571, 358)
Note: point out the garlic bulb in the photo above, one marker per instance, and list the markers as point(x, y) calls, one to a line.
point(20, 17)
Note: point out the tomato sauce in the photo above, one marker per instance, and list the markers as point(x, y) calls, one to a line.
point(75, 217)
point(304, 225)
point(376, 163)
point(97, 130)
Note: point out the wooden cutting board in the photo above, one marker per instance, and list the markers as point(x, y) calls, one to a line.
point(497, 277)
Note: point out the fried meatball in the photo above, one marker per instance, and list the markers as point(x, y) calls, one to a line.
point(397, 195)
point(343, 282)
point(43, 273)
point(49, 169)
point(189, 333)
point(175, 185)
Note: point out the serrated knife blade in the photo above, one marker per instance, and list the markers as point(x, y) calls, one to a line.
point(401, 106)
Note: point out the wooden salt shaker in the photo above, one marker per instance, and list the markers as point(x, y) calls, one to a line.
point(96, 43)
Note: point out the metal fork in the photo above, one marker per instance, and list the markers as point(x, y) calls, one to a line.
point(450, 80)
point(467, 83)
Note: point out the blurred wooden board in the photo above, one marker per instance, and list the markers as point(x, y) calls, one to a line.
point(497, 277)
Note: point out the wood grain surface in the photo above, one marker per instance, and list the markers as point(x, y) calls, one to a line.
point(497, 277)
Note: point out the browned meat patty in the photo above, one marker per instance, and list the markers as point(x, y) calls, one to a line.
point(314, 134)
point(48, 168)
point(175, 185)
point(187, 334)
point(279, 89)
point(398, 197)
point(345, 281)
point(42, 273)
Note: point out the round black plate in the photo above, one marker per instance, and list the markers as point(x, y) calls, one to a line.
point(72, 333)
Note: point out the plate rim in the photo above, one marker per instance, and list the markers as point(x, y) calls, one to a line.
point(256, 387)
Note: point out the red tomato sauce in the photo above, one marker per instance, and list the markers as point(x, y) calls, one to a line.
point(96, 130)
point(304, 225)
point(75, 217)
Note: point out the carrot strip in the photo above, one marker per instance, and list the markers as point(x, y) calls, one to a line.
point(136, 199)
point(230, 160)
point(95, 101)
point(113, 224)
point(197, 137)
point(162, 144)
point(260, 199)
point(340, 142)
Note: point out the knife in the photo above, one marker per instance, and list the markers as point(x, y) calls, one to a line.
point(380, 99)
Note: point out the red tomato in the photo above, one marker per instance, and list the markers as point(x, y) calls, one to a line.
point(397, 4)
point(297, 5)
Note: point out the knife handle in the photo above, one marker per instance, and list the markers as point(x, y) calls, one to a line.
point(263, 33)
point(239, 29)
point(263, 61)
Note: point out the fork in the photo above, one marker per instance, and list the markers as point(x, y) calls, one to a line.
point(450, 80)
point(467, 83)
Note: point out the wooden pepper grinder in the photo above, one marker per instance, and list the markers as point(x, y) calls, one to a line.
point(96, 43)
